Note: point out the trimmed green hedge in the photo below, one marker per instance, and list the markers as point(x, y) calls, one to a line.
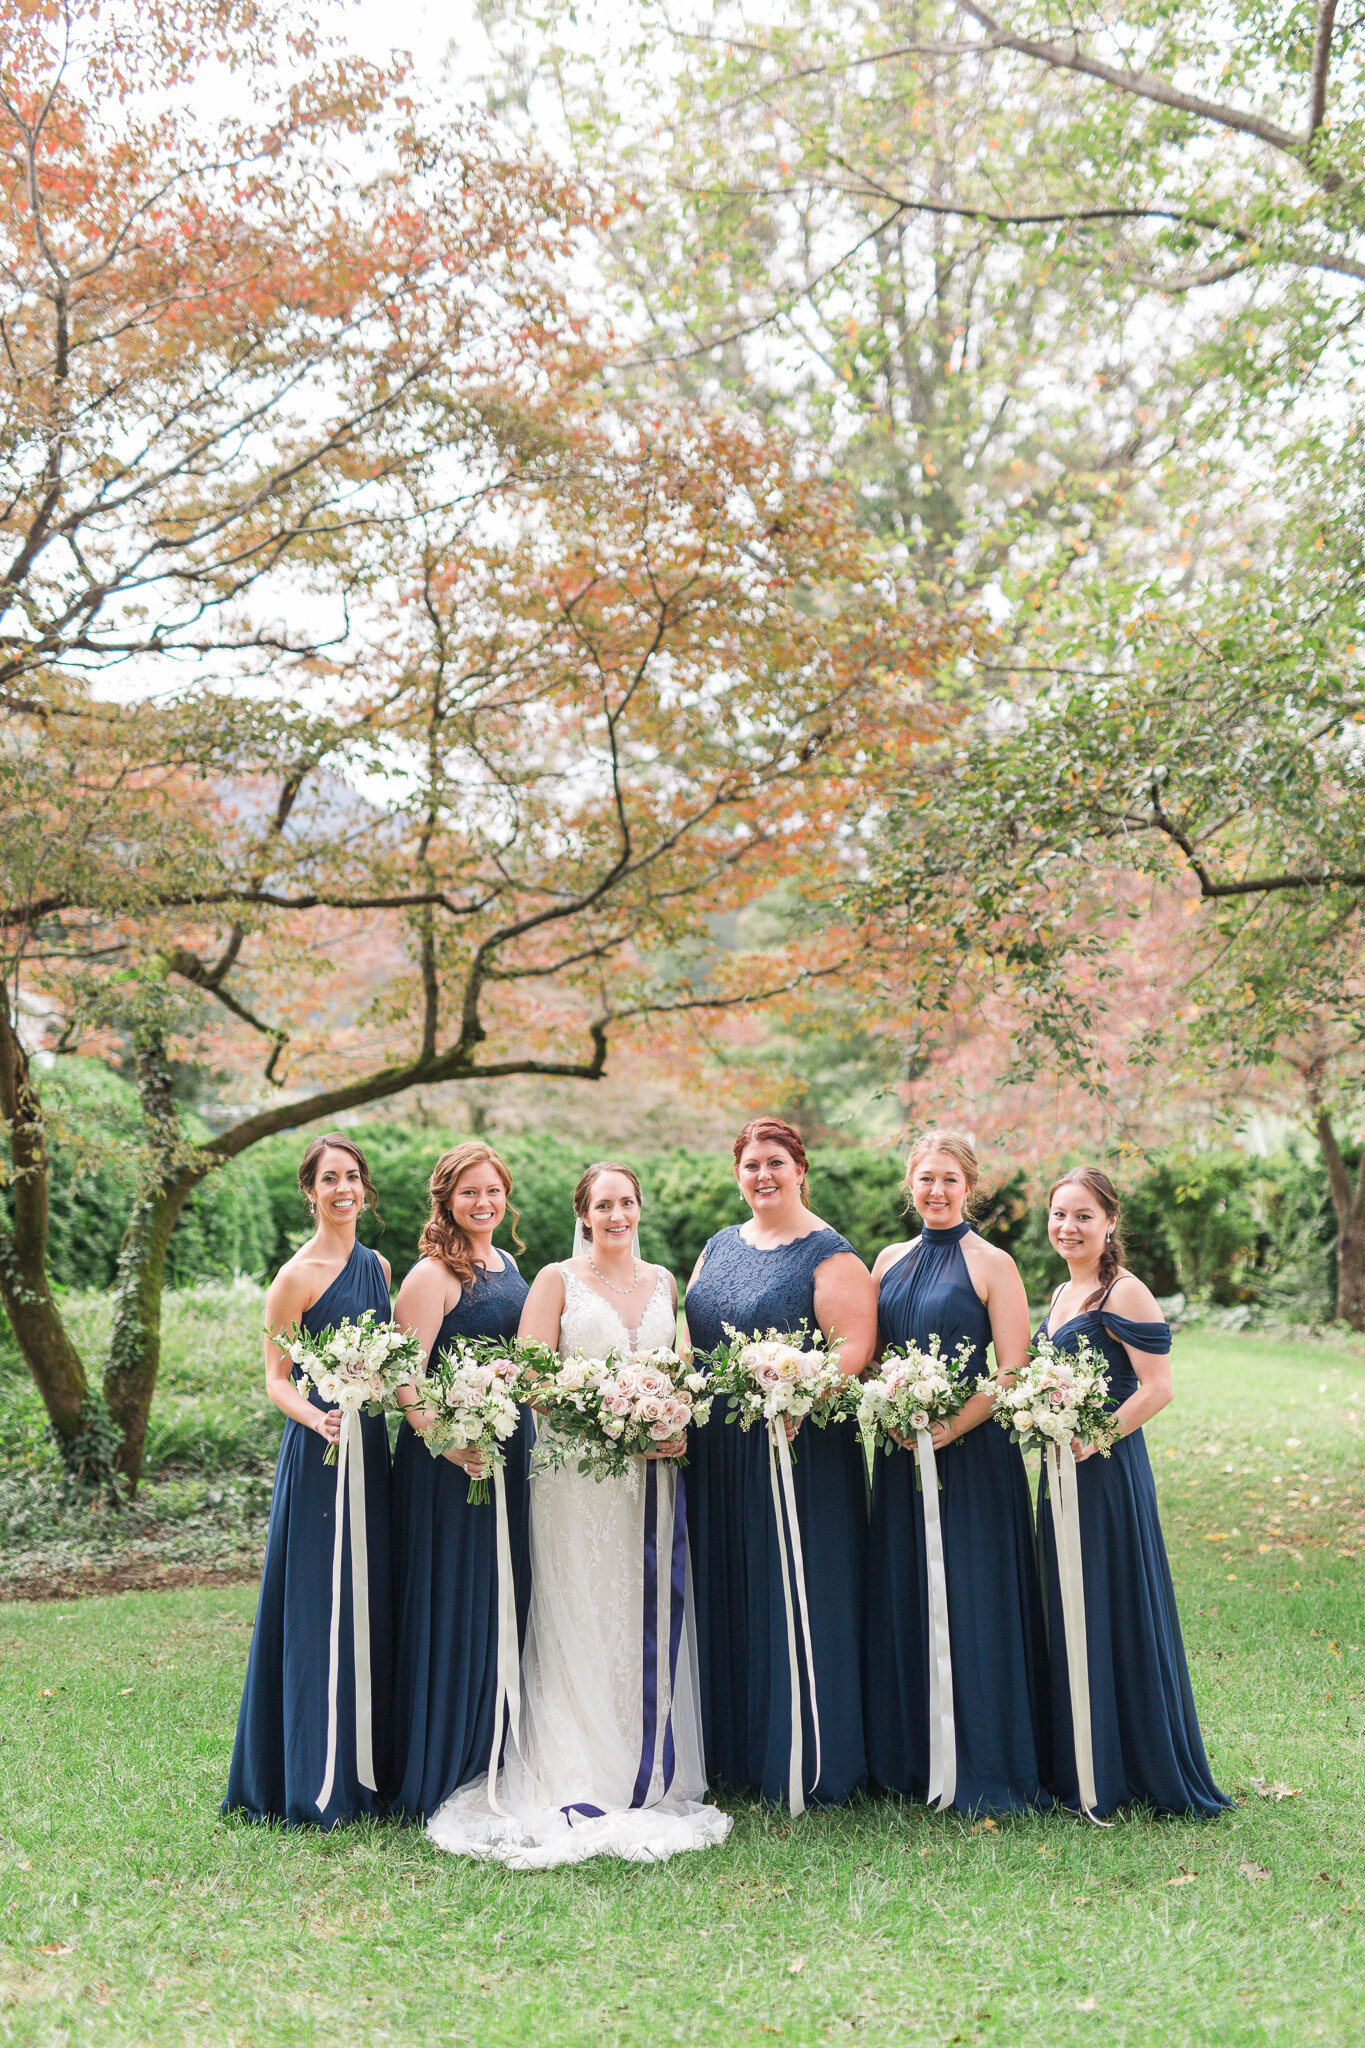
point(1214, 1225)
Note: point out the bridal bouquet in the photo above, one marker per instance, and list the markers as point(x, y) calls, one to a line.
point(356, 1365)
point(912, 1390)
point(768, 1375)
point(472, 1390)
point(606, 1411)
point(1058, 1395)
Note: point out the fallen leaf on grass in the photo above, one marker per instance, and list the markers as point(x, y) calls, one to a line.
point(799, 1963)
point(1087, 2004)
point(986, 1827)
point(1275, 1790)
point(1184, 1877)
point(53, 1948)
point(124, 1691)
point(1256, 1872)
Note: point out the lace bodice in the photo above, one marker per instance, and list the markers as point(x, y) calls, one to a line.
point(593, 1326)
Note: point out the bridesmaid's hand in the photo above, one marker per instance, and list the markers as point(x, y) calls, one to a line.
point(941, 1434)
point(1080, 1452)
point(328, 1425)
point(475, 1463)
point(674, 1448)
point(792, 1423)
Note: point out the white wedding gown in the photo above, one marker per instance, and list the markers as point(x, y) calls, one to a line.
point(582, 1741)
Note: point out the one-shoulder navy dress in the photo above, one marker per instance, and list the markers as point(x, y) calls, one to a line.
point(1143, 1727)
point(280, 1754)
point(995, 1608)
point(445, 1580)
point(736, 1563)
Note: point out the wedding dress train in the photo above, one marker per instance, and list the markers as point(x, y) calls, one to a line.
point(608, 1757)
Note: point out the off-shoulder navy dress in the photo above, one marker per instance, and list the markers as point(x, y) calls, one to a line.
point(736, 1563)
point(280, 1754)
point(995, 1608)
point(1143, 1726)
point(445, 1580)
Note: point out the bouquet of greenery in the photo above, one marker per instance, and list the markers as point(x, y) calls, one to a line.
point(472, 1388)
point(356, 1365)
point(1059, 1395)
point(912, 1389)
point(768, 1375)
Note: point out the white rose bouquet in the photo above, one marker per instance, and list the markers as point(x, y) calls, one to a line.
point(472, 1389)
point(911, 1390)
point(1058, 1395)
point(356, 1365)
point(605, 1411)
point(770, 1375)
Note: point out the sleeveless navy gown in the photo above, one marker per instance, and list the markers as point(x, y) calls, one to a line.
point(445, 1581)
point(280, 1753)
point(995, 1609)
point(741, 1616)
point(1144, 1730)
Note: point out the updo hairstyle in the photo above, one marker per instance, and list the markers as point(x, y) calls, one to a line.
point(582, 1194)
point(958, 1146)
point(443, 1238)
point(1106, 1194)
point(774, 1131)
point(336, 1141)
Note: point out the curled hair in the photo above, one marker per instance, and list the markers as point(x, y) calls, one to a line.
point(958, 1146)
point(337, 1141)
point(1106, 1194)
point(444, 1238)
point(775, 1132)
point(582, 1194)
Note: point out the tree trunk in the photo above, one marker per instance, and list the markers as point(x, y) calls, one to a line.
point(135, 1341)
point(34, 1317)
point(1348, 1203)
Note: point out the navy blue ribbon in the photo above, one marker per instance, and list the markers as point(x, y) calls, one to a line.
point(677, 1596)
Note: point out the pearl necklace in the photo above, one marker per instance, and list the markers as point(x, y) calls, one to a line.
point(634, 1277)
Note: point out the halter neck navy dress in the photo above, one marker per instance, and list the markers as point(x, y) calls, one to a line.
point(736, 1563)
point(446, 1580)
point(280, 1753)
point(1143, 1726)
point(995, 1609)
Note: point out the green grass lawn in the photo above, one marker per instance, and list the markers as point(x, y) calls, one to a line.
point(130, 1913)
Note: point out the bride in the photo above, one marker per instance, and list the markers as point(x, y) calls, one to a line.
point(607, 1760)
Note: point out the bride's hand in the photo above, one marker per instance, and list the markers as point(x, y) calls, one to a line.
point(792, 1423)
point(475, 1463)
point(674, 1448)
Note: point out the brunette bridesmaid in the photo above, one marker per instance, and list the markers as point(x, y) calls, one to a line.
point(445, 1549)
point(948, 1281)
point(280, 1755)
point(1144, 1731)
point(782, 1269)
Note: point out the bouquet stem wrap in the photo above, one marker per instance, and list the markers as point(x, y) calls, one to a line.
point(784, 1496)
point(509, 1647)
point(942, 1725)
point(665, 1595)
point(1066, 1523)
point(350, 1488)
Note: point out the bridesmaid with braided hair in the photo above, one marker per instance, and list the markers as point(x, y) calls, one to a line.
point(1145, 1737)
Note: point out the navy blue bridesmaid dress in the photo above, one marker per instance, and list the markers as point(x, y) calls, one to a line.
point(736, 1563)
point(445, 1580)
point(995, 1609)
point(1143, 1727)
point(280, 1754)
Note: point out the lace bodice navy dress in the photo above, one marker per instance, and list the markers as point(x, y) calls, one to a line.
point(445, 1580)
point(1144, 1729)
point(741, 1613)
point(995, 1610)
point(280, 1755)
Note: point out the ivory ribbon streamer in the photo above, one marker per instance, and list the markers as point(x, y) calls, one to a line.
point(779, 1457)
point(350, 1489)
point(509, 1649)
point(1061, 1469)
point(942, 1726)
